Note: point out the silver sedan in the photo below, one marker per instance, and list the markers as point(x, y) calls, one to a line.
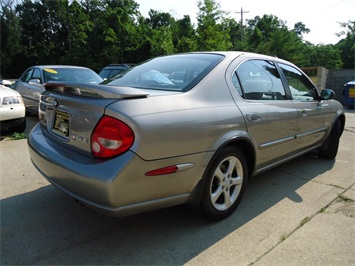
point(33, 81)
point(181, 129)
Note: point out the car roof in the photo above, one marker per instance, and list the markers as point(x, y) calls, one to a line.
point(246, 55)
point(119, 66)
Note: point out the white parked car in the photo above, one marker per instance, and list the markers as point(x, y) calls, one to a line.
point(12, 110)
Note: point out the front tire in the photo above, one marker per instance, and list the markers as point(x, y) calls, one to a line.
point(19, 128)
point(332, 142)
point(225, 184)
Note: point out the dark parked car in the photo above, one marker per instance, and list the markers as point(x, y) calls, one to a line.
point(32, 82)
point(112, 70)
point(187, 128)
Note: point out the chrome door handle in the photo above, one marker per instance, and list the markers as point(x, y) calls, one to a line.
point(254, 117)
point(302, 112)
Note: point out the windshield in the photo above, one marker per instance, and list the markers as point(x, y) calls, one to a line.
point(81, 75)
point(173, 73)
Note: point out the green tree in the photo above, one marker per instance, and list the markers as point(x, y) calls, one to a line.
point(119, 19)
point(185, 35)
point(79, 26)
point(284, 44)
point(210, 32)
point(270, 35)
point(10, 39)
point(158, 20)
point(261, 29)
point(236, 33)
point(142, 50)
point(161, 33)
point(347, 44)
point(300, 29)
point(43, 32)
point(162, 42)
point(95, 33)
point(327, 56)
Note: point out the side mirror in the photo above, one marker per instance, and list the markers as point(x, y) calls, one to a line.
point(34, 82)
point(327, 94)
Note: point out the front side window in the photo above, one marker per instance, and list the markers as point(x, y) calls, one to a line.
point(300, 87)
point(259, 80)
point(27, 75)
point(36, 74)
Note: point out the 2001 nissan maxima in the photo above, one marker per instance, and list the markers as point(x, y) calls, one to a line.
point(186, 128)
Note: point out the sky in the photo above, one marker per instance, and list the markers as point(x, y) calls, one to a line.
point(320, 16)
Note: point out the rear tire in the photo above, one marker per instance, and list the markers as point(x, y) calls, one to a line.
point(225, 184)
point(330, 152)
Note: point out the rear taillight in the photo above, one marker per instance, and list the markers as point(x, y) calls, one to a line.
point(111, 137)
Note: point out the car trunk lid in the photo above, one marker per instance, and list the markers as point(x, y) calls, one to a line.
point(68, 113)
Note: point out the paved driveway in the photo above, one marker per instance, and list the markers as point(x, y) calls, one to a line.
point(301, 213)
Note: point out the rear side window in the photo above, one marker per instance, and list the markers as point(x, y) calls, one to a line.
point(109, 72)
point(172, 73)
point(259, 80)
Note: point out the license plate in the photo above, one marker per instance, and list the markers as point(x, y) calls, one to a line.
point(61, 124)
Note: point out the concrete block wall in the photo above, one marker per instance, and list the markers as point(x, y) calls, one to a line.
point(336, 79)
point(322, 75)
point(318, 75)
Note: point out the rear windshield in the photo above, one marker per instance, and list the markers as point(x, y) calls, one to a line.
point(173, 73)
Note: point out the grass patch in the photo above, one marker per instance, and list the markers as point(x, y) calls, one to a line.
point(345, 198)
point(17, 136)
point(321, 210)
point(304, 221)
point(283, 236)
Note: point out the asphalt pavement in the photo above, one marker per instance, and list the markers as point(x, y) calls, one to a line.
point(300, 213)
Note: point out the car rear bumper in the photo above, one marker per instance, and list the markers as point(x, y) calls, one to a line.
point(118, 186)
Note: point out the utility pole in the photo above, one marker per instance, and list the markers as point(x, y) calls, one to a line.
point(241, 21)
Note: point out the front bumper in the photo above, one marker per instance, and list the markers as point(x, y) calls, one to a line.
point(12, 113)
point(12, 122)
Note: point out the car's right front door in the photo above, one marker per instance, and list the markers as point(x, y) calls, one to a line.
point(314, 116)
